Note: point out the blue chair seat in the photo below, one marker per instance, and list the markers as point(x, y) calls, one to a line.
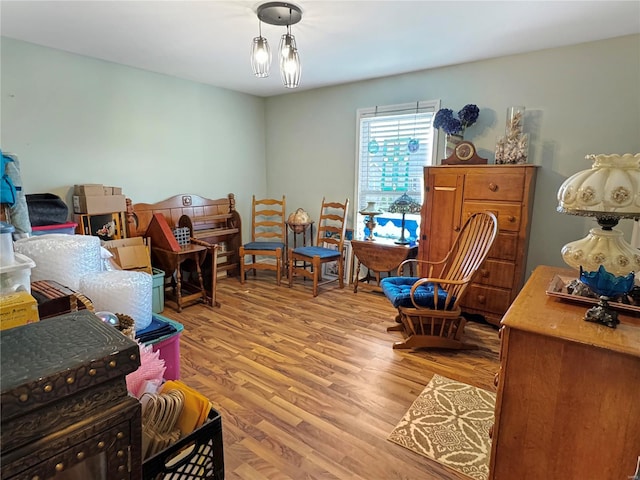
point(398, 291)
point(264, 246)
point(321, 252)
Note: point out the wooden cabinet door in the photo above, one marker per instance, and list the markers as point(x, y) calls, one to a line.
point(441, 213)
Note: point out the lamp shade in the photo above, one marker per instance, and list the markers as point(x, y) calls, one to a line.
point(608, 191)
point(260, 57)
point(611, 187)
point(404, 204)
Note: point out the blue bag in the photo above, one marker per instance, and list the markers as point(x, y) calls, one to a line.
point(8, 192)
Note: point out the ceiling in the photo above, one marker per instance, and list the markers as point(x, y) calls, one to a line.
point(339, 41)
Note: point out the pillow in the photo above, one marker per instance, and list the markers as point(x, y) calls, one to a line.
point(398, 291)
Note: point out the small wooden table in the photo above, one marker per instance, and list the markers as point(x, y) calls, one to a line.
point(379, 255)
point(296, 229)
point(171, 261)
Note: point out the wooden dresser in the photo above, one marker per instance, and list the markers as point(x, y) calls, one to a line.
point(568, 401)
point(453, 193)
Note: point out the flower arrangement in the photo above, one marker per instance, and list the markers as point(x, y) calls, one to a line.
point(451, 125)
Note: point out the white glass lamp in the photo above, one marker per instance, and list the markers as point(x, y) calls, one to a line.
point(608, 191)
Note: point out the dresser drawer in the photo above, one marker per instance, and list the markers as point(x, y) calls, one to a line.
point(499, 184)
point(490, 299)
point(496, 274)
point(509, 214)
point(505, 246)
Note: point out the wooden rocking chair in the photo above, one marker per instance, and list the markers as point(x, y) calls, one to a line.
point(429, 313)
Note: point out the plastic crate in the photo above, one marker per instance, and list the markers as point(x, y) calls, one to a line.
point(64, 228)
point(169, 347)
point(157, 296)
point(198, 456)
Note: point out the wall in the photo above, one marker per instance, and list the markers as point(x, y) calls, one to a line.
point(579, 100)
point(72, 119)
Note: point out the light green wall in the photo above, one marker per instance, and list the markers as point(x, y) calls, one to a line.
point(73, 119)
point(579, 100)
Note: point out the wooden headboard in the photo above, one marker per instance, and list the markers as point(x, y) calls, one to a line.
point(212, 221)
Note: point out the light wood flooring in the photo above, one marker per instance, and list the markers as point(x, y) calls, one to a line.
point(310, 388)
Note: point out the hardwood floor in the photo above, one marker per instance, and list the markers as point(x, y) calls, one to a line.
point(310, 388)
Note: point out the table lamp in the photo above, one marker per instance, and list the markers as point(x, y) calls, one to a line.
point(370, 212)
point(405, 204)
point(608, 191)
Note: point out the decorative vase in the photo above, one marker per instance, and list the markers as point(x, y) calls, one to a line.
point(513, 148)
point(452, 141)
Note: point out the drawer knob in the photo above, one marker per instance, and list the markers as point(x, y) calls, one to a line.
point(482, 299)
point(456, 229)
point(511, 218)
point(484, 273)
point(493, 187)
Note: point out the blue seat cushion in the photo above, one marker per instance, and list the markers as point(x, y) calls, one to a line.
point(323, 253)
point(398, 291)
point(264, 246)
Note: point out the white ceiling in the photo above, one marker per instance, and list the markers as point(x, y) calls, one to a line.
point(208, 41)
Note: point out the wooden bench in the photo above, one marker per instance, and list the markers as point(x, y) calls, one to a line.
point(214, 223)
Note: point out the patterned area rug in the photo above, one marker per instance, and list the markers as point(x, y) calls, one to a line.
point(449, 422)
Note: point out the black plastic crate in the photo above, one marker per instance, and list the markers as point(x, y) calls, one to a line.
point(198, 456)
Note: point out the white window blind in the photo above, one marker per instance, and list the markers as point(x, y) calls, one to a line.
point(395, 143)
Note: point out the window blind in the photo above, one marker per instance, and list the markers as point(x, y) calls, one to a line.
point(395, 143)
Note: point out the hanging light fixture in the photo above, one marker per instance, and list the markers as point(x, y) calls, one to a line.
point(260, 55)
point(279, 13)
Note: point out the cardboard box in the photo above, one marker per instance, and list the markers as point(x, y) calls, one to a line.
point(96, 204)
point(16, 309)
point(89, 189)
point(130, 253)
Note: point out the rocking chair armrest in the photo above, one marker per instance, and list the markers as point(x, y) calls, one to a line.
point(418, 262)
point(437, 283)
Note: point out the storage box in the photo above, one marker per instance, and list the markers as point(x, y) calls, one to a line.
point(198, 456)
point(169, 347)
point(16, 309)
point(64, 228)
point(112, 190)
point(157, 298)
point(96, 204)
point(130, 254)
point(17, 275)
point(88, 189)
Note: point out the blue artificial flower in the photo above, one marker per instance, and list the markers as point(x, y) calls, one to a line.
point(468, 115)
point(445, 120)
point(605, 283)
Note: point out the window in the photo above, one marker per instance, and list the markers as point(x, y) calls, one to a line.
point(395, 143)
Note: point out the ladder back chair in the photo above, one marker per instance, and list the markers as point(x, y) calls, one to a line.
point(268, 232)
point(329, 246)
point(429, 313)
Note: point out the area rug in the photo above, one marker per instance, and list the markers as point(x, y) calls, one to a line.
point(449, 422)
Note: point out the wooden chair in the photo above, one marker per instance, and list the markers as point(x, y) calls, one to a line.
point(267, 237)
point(429, 313)
point(329, 246)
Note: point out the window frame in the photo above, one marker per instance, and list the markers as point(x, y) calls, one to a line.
point(404, 109)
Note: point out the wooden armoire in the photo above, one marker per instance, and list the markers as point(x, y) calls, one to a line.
point(452, 193)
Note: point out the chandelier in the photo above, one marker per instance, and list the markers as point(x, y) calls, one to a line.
point(283, 14)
